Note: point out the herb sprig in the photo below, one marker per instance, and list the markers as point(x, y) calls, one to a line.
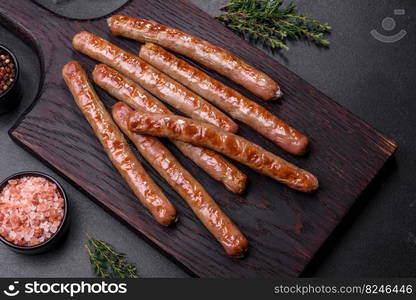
point(268, 22)
point(106, 262)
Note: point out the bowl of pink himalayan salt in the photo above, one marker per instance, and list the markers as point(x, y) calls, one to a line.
point(33, 212)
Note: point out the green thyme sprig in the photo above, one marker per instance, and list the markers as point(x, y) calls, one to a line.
point(269, 23)
point(106, 262)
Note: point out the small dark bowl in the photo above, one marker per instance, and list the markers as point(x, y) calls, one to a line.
point(63, 227)
point(10, 98)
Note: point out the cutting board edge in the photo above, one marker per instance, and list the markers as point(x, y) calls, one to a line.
point(348, 209)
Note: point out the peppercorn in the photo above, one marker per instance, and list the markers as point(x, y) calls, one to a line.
point(7, 71)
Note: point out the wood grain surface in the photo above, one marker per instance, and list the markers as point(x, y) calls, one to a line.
point(285, 228)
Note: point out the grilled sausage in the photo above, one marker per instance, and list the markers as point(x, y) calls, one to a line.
point(201, 51)
point(211, 162)
point(152, 80)
point(116, 146)
point(229, 100)
point(234, 146)
point(202, 204)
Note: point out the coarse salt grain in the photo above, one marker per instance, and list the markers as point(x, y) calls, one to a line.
point(31, 210)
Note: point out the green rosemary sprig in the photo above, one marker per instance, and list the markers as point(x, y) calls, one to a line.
point(269, 23)
point(106, 262)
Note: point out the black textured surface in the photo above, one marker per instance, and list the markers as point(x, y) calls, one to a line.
point(372, 79)
point(81, 9)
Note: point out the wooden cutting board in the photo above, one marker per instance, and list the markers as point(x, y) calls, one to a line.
point(285, 228)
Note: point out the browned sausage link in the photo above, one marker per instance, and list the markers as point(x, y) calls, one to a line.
point(206, 209)
point(201, 51)
point(152, 80)
point(211, 162)
point(234, 146)
point(216, 166)
point(229, 100)
point(116, 146)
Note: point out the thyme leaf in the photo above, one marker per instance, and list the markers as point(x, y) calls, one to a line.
point(106, 262)
point(270, 23)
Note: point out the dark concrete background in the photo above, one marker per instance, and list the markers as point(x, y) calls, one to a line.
point(374, 80)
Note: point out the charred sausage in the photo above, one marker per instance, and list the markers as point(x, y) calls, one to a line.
point(129, 92)
point(199, 50)
point(202, 204)
point(152, 80)
point(226, 98)
point(116, 146)
point(206, 135)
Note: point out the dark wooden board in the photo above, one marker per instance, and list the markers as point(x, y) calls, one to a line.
point(285, 228)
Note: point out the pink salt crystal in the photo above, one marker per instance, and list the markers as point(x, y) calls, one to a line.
point(35, 200)
point(31, 210)
point(18, 235)
point(18, 242)
point(32, 215)
point(15, 220)
point(33, 242)
point(12, 235)
point(13, 181)
point(38, 232)
point(53, 213)
point(42, 207)
point(29, 235)
point(26, 209)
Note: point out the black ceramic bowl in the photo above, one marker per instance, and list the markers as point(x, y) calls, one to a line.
point(10, 97)
point(60, 232)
